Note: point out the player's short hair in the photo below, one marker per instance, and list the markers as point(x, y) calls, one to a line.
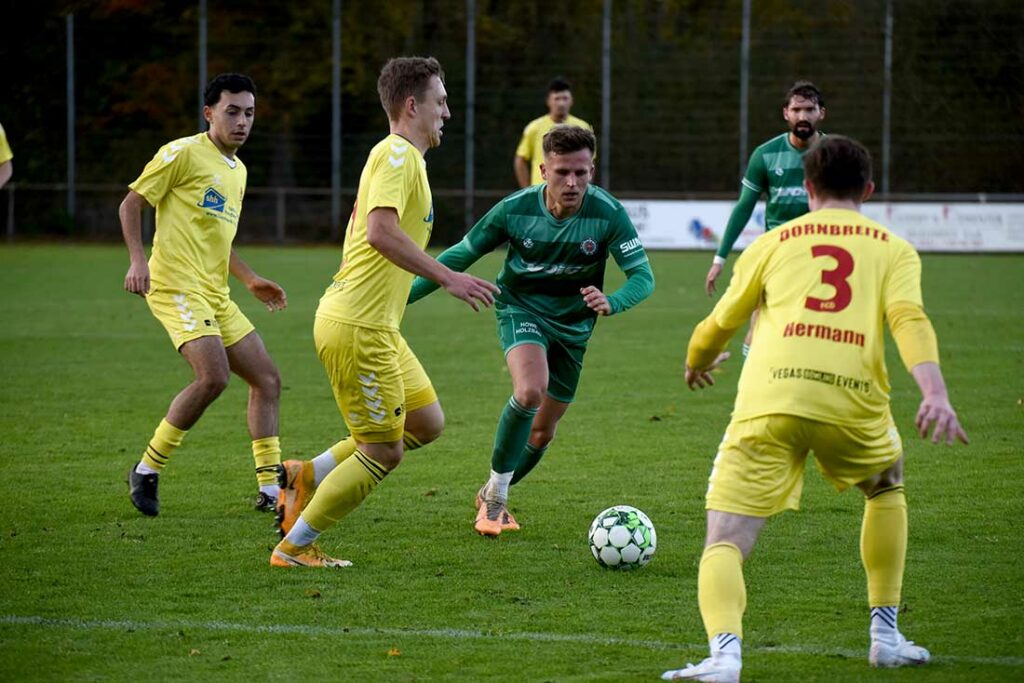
point(566, 139)
point(233, 83)
point(806, 90)
point(558, 84)
point(405, 76)
point(838, 167)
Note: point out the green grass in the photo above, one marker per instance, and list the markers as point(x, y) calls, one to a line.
point(90, 590)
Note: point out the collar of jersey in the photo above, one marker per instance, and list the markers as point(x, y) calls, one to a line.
point(232, 163)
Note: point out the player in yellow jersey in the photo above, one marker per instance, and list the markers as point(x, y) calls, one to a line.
point(816, 382)
point(385, 397)
point(530, 152)
point(6, 167)
point(197, 185)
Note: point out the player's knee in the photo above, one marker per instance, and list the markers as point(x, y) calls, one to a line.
point(269, 383)
point(529, 396)
point(212, 384)
point(389, 458)
point(542, 435)
point(429, 431)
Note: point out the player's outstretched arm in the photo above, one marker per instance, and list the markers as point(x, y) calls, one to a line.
point(935, 413)
point(521, 166)
point(458, 257)
point(737, 221)
point(136, 280)
point(638, 286)
point(267, 291)
point(384, 234)
point(6, 171)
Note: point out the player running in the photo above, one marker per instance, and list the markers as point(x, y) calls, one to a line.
point(816, 381)
point(382, 391)
point(197, 185)
point(560, 235)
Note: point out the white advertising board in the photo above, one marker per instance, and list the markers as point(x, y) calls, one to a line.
point(929, 226)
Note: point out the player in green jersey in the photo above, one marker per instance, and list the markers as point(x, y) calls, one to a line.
point(776, 169)
point(560, 235)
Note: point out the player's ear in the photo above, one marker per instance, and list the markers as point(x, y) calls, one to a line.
point(543, 171)
point(410, 105)
point(869, 190)
point(208, 113)
point(822, 117)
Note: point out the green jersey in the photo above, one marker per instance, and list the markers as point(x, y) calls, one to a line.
point(549, 261)
point(776, 168)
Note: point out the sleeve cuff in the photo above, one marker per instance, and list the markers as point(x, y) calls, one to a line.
point(718, 260)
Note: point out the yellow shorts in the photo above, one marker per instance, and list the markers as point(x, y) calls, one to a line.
point(188, 315)
point(375, 376)
point(759, 468)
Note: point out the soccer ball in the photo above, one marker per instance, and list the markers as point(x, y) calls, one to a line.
point(622, 537)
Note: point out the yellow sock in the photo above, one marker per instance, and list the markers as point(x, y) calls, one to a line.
point(343, 490)
point(267, 454)
point(165, 439)
point(720, 590)
point(883, 545)
point(343, 450)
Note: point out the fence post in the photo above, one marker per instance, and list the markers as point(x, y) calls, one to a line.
point(470, 182)
point(606, 96)
point(70, 85)
point(744, 86)
point(335, 231)
point(279, 228)
point(887, 100)
point(202, 62)
point(10, 212)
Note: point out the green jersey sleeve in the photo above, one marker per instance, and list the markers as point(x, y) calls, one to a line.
point(756, 177)
point(624, 243)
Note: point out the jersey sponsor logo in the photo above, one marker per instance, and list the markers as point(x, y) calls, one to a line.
point(791, 191)
point(553, 268)
point(588, 246)
point(213, 200)
point(861, 386)
point(826, 332)
point(631, 246)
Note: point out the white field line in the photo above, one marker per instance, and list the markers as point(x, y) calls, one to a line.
point(446, 633)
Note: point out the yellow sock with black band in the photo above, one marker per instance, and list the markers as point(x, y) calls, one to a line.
point(158, 452)
point(267, 454)
point(721, 591)
point(343, 490)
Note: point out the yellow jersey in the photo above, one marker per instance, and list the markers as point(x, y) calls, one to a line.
point(531, 145)
point(369, 290)
point(823, 283)
point(197, 192)
point(5, 148)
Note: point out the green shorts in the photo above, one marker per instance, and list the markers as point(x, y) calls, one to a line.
point(565, 359)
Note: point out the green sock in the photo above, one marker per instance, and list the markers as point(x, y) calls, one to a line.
point(531, 456)
point(513, 432)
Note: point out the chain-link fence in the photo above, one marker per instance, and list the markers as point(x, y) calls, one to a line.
point(954, 124)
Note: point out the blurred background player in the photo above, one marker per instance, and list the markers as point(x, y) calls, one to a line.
point(530, 152)
point(6, 167)
point(816, 381)
point(382, 391)
point(197, 185)
point(774, 169)
point(560, 235)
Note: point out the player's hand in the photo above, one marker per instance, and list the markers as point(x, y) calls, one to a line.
point(596, 300)
point(473, 290)
point(269, 292)
point(709, 281)
point(698, 379)
point(935, 411)
point(136, 280)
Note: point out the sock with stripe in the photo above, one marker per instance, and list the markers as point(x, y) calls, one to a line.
point(165, 439)
point(510, 441)
point(883, 550)
point(324, 463)
point(726, 644)
point(343, 490)
point(267, 454)
point(721, 592)
point(531, 456)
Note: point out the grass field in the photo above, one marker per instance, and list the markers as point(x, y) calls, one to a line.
point(93, 591)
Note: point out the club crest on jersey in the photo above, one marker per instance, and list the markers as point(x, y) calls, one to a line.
point(778, 170)
point(588, 246)
point(213, 200)
point(528, 243)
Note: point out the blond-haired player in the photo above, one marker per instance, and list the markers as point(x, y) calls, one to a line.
point(385, 396)
point(197, 184)
point(816, 382)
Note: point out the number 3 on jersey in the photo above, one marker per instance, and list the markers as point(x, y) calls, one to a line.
point(837, 278)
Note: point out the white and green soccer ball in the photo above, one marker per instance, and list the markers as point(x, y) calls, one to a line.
point(622, 537)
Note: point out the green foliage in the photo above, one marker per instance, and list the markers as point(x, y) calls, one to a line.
point(91, 590)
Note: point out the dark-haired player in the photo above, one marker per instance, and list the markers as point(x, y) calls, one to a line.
point(197, 184)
